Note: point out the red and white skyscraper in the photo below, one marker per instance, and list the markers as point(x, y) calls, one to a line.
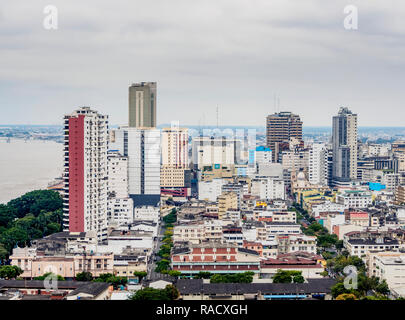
point(85, 172)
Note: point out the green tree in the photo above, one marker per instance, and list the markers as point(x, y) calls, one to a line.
point(10, 272)
point(174, 273)
point(112, 279)
point(162, 265)
point(149, 294)
point(84, 276)
point(171, 292)
point(50, 274)
point(140, 275)
point(203, 275)
point(3, 253)
point(346, 296)
point(382, 288)
point(298, 279)
point(7, 214)
point(36, 201)
point(288, 276)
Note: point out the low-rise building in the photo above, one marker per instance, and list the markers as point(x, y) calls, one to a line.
point(215, 258)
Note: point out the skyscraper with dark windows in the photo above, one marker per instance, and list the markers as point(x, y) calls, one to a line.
point(344, 146)
point(142, 105)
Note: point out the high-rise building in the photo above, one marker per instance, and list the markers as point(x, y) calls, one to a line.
point(175, 177)
point(280, 127)
point(142, 147)
point(344, 146)
point(175, 147)
point(85, 172)
point(318, 164)
point(142, 105)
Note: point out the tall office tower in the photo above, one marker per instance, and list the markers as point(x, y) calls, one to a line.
point(142, 105)
point(142, 147)
point(217, 152)
point(280, 127)
point(85, 172)
point(175, 179)
point(318, 164)
point(344, 145)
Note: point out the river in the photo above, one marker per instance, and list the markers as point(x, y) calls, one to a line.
point(27, 166)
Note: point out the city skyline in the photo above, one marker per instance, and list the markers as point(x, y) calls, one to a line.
point(297, 56)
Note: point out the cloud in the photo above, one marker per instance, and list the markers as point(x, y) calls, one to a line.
point(235, 54)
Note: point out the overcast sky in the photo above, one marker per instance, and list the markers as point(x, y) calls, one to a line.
point(203, 54)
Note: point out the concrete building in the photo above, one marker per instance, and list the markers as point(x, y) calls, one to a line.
point(67, 266)
point(85, 172)
point(388, 266)
point(226, 201)
point(361, 247)
point(212, 151)
point(273, 229)
point(175, 147)
point(117, 174)
point(296, 243)
point(268, 189)
point(142, 147)
point(280, 127)
point(400, 195)
point(318, 164)
point(260, 155)
point(344, 145)
point(240, 189)
point(215, 257)
point(354, 199)
point(120, 211)
point(142, 105)
point(175, 178)
point(210, 190)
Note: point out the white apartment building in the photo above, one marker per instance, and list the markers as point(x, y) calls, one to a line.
point(388, 266)
point(211, 151)
point(327, 206)
point(117, 174)
point(354, 199)
point(198, 232)
point(378, 150)
point(85, 172)
point(120, 211)
point(147, 213)
point(281, 228)
point(295, 243)
point(362, 247)
point(318, 164)
point(268, 189)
